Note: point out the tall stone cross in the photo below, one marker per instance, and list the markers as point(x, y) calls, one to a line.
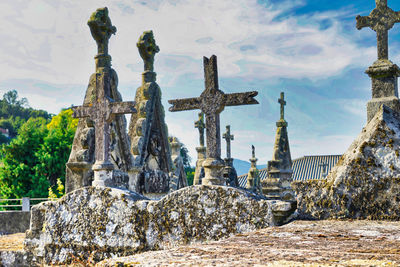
point(103, 110)
point(381, 20)
point(201, 126)
point(283, 103)
point(212, 102)
point(383, 72)
point(228, 137)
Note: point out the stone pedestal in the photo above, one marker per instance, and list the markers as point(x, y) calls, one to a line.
point(230, 174)
point(103, 172)
point(383, 75)
point(79, 174)
point(199, 172)
point(213, 169)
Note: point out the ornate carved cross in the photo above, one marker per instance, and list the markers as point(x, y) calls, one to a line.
point(102, 112)
point(381, 20)
point(228, 137)
point(283, 103)
point(212, 102)
point(201, 126)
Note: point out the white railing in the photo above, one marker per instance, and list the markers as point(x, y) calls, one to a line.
point(25, 202)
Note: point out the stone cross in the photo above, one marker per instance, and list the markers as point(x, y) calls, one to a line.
point(228, 137)
point(253, 151)
point(201, 126)
point(102, 112)
point(283, 103)
point(103, 109)
point(381, 20)
point(212, 102)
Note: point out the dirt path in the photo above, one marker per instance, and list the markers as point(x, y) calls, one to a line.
point(12, 242)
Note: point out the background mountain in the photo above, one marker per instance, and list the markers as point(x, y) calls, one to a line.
point(242, 167)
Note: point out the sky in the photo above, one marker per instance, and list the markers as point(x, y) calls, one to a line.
point(309, 49)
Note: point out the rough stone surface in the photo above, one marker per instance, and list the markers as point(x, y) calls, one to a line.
point(79, 171)
point(12, 222)
point(111, 222)
point(212, 102)
point(365, 183)
point(299, 243)
point(148, 131)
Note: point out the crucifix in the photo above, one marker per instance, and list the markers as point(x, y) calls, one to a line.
point(103, 109)
point(228, 137)
point(212, 102)
point(283, 103)
point(381, 20)
point(201, 126)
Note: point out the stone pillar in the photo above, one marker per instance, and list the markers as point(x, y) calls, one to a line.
point(213, 172)
point(199, 172)
point(383, 75)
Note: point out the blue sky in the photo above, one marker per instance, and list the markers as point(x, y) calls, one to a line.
point(310, 49)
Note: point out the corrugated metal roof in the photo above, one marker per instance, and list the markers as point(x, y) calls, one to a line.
point(304, 168)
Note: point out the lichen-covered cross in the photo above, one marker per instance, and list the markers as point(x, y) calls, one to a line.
point(212, 102)
point(201, 126)
point(102, 112)
point(283, 103)
point(228, 137)
point(381, 20)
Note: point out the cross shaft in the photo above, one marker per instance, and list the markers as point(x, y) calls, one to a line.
point(283, 103)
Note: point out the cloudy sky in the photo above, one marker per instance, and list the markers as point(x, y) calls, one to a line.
point(310, 49)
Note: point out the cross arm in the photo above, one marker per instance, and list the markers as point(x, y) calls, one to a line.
point(237, 99)
point(184, 104)
point(82, 111)
point(363, 21)
point(122, 107)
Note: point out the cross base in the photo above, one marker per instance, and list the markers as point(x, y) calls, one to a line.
point(213, 169)
point(383, 75)
point(102, 173)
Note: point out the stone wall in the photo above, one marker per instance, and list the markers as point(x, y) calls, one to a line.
point(12, 222)
point(103, 222)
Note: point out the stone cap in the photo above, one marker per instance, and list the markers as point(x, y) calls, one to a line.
point(383, 68)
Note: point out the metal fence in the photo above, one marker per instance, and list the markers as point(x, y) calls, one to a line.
point(24, 203)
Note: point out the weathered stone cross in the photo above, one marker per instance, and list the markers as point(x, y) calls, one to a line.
point(201, 126)
point(212, 102)
point(283, 103)
point(103, 109)
point(381, 20)
point(228, 137)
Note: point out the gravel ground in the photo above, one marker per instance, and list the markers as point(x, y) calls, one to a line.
point(299, 243)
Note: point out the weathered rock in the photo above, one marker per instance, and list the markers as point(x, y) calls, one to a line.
point(365, 183)
point(102, 222)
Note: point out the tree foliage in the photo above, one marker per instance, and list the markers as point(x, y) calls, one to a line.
point(36, 158)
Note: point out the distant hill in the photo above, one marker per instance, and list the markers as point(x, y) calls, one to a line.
point(242, 167)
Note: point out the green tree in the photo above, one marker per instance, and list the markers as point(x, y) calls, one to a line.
point(54, 152)
point(17, 174)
